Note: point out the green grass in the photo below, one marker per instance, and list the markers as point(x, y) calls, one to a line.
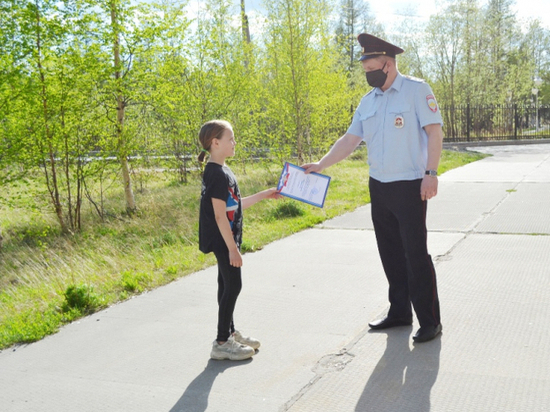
point(47, 280)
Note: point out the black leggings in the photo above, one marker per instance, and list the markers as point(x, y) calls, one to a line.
point(229, 287)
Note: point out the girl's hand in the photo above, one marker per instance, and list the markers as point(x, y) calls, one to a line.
point(273, 193)
point(235, 258)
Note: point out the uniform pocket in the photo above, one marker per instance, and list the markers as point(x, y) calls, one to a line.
point(401, 108)
point(368, 122)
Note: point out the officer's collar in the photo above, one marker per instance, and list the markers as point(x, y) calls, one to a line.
point(397, 82)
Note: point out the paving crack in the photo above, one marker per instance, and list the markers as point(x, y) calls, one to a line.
point(331, 363)
point(334, 362)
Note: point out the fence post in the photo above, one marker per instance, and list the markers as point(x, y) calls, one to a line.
point(468, 122)
point(515, 121)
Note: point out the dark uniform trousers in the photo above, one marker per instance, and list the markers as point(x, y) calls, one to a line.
point(399, 218)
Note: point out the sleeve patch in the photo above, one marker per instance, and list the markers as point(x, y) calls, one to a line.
point(432, 104)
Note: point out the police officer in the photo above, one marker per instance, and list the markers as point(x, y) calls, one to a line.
point(400, 122)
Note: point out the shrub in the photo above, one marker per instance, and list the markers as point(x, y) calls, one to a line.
point(80, 299)
point(287, 209)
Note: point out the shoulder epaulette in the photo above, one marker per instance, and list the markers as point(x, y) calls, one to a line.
point(414, 79)
point(371, 91)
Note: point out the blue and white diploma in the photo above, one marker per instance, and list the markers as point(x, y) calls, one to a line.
point(309, 188)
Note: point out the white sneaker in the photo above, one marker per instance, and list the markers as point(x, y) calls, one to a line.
point(231, 350)
point(246, 340)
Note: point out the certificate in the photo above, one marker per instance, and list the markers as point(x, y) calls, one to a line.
point(309, 188)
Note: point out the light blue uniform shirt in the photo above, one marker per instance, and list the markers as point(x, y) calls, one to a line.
point(391, 124)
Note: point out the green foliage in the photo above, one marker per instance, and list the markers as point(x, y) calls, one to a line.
point(308, 102)
point(86, 85)
point(79, 300)
point(28, 326)
point(135, 281)
point(287, 209)
point(479, 55)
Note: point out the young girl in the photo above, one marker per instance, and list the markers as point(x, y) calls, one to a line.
point(220, 231)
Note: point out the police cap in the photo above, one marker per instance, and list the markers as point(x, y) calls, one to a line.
point(372, 46)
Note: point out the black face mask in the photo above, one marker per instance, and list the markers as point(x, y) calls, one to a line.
point(377, 78)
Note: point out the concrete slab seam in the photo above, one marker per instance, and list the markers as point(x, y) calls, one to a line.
point(360, 229)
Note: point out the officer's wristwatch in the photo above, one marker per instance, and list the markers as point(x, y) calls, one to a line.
point(432, 173)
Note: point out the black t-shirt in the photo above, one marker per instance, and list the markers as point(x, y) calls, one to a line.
point(219, 182)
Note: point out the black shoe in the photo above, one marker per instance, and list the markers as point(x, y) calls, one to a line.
point(388, 322)
point(427, 333)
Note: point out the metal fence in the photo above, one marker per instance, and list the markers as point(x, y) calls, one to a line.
point(495, 122)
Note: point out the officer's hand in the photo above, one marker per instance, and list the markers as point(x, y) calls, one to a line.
point(312, 167)
point(428, 188)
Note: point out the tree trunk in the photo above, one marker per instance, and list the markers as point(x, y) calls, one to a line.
point(121, 144)
point(51, 182)
point(244, 24)
point(67, 172)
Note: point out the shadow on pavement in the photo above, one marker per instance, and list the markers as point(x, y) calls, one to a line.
point(403, 378)
point(195, 397)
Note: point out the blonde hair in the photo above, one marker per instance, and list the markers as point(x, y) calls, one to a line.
point(209, 131)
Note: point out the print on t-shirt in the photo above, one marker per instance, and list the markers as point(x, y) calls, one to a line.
point(232, 205)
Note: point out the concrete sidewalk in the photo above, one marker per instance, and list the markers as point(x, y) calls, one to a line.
point(308, 298)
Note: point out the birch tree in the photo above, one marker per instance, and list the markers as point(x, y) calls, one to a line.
point(304, 81)
point(45, 125)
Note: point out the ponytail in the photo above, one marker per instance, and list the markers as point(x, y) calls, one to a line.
point(202, 155)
